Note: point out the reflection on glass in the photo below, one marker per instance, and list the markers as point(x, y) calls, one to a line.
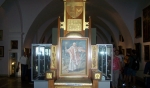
point(105, 60)
point(40, 60)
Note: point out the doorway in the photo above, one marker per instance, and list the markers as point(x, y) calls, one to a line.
point(13, 64)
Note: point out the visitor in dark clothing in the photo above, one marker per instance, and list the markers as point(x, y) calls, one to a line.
point(147, 74)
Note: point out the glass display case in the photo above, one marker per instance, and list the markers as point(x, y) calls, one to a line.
point(40, 60)
point(105, 55)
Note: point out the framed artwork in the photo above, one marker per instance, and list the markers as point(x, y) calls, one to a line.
point(1, 51)
point(73, 57)
point(146, 24)
point(1, 35)
point(14, 44)
point(121, 39)
point(138, 27)
point(146, 52)
point(128, 50)
point(138, 50)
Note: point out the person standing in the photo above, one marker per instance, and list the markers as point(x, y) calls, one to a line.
point(134, 65)
point(29, 67)
point(147, 74)
point(120, 56)
point(116, 71)
point(125, 69)
point(24, 66)
point(131, 72)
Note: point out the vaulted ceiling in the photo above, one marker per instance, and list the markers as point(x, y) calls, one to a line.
point(36, 18)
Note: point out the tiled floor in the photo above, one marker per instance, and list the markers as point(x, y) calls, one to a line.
point(12, 82)
point(138, 85)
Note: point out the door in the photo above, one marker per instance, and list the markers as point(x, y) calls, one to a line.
point(13, 56)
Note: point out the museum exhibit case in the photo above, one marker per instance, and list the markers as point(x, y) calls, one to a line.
point(105, 55)
point(40, 60)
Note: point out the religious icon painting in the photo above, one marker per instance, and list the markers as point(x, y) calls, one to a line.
point(73, 57)
point(14, 44)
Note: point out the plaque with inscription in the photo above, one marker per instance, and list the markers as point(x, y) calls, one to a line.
point(74, 25)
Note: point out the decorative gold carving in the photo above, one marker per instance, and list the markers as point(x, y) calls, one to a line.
point(53, 56)
point(54, 73)
point(74, 25)
point(94, 57)
point(86, 25)
point(97, 75)
point(49, 75)
point(74, 9)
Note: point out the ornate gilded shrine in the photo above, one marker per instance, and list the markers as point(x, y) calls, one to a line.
point(74, 72)
point(74, 60)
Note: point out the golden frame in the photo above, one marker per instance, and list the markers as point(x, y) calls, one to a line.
point(73, 58)
point(14, 44)
point(146, 25)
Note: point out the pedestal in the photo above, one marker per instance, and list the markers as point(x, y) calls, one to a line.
point(41, 84)
point(104, 84)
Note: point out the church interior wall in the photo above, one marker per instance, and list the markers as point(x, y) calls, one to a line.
point(20, 15)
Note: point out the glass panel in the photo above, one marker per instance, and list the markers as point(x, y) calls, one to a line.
point(40, 60)
point(47, 58)
point(105, 60)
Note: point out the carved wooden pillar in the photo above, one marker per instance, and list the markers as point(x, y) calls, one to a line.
point(51, 84)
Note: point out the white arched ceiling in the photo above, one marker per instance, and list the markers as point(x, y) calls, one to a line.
point(48, 31)
point(112, 30)
point(29, 11)
point(101, 39)
point(104, 32)
point(42, 29)
point(110, 13)
point(142, 4)
point(106, 15)
point(106, 11)
point(49, 12)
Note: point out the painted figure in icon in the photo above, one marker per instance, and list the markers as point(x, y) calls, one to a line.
point(75, 57)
